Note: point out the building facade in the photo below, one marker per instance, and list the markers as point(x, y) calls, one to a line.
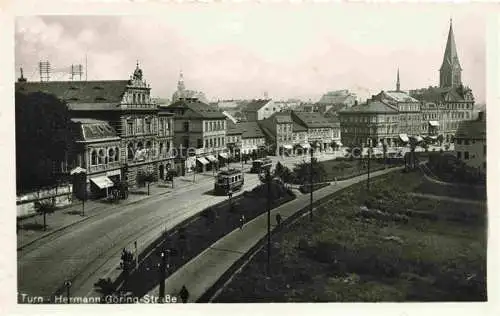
point(278, 132)
point(257, 110)
point(319, 129)
point(200, 135)
point(372, 122)
point(127, 107)
point(470, 143)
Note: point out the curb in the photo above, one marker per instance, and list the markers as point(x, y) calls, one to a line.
point(80, 221)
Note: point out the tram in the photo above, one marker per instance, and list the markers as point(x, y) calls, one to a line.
point(228, 181)
point(260, 165)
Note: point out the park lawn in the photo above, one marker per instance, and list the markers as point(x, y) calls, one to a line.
point(343, 257)
point(341, 169)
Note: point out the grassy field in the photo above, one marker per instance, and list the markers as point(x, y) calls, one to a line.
point(401, 249)
point(341, 169)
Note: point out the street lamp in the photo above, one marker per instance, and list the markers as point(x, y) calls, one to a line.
point(369, 156)
point(67, 284)
point(164, 255)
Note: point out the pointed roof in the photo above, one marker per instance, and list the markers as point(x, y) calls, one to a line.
point(398, 83)
point(450, 53)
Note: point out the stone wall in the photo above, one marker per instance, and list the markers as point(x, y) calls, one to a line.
point(61, 195)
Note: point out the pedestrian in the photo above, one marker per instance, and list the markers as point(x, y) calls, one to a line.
point(242, 221)
point(278, 219)
point(184, 294)
point(335, 180)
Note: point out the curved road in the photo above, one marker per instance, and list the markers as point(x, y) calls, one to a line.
point(77, 254)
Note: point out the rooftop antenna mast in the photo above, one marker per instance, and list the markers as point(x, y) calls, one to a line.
point(86, 67)
point(76, 70)
point(44, 67)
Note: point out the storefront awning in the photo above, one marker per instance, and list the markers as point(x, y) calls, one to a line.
point(102, 182)
point(77, 170)
point(223, 155)
point(419, 138)
point(433, 123)
point(432, 137)
point(212, 158)
point(404, 137)
point(202, 160)
point(305, 146)
point(287, 146)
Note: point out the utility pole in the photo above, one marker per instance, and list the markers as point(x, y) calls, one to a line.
point(194, 170)
point(67, 284)
point(369, 156)
point(162, 274)
point(268, 178)
point(311, 185)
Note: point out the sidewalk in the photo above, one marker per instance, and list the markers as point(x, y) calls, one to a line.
point(202, 272)
point(32, 227)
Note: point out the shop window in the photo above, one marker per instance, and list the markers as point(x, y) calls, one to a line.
point(93, 158)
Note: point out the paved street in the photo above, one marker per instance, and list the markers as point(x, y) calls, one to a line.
point(81, 250)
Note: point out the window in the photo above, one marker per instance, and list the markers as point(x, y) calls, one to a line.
point(211, 126)
point(140, 127)
point(459, 155)
point(466, 155)
point(466, 142)
point(93, 158)
point(130, 151)
point(186, 126)
point(206, 143)
point(111, 154)
point(130, 127)
point(117, 154)
point(459, 141)
point(206, 126)
point(186, 142)
point(199, 143)
point(101, 156)
point(148, 126)
point(211, 143)
point(223, 141)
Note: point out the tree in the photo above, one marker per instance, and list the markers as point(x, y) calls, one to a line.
point(43, 138)
point(146, 177)
point(301, 171)
point(45, 207)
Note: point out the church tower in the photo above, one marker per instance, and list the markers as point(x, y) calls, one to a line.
point(180, 83)
point(450, 73)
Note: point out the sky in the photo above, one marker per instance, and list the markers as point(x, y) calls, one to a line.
point(286, 50)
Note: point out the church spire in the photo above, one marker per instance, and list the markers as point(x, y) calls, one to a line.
point(450, 71)
point(180, 83)
point(398, 83)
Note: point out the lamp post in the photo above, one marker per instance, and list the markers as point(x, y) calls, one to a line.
point(164, 255)
point(369, 156)
point(194, 170)
point(67, 284)
point(268, 180)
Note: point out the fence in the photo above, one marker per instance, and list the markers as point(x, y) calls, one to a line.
point(61, 195)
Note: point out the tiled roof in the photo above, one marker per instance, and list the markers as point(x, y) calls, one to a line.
point(281, 117)
point(436, 94)
point(251, 130)
point(298, 128)
point(232, 128)
point(91, 129)
point(81, 95)
point(199, 108)
point(312, 119)
point(370, 107)
point(400, 96)
point(472, 129)
point(255, 105)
